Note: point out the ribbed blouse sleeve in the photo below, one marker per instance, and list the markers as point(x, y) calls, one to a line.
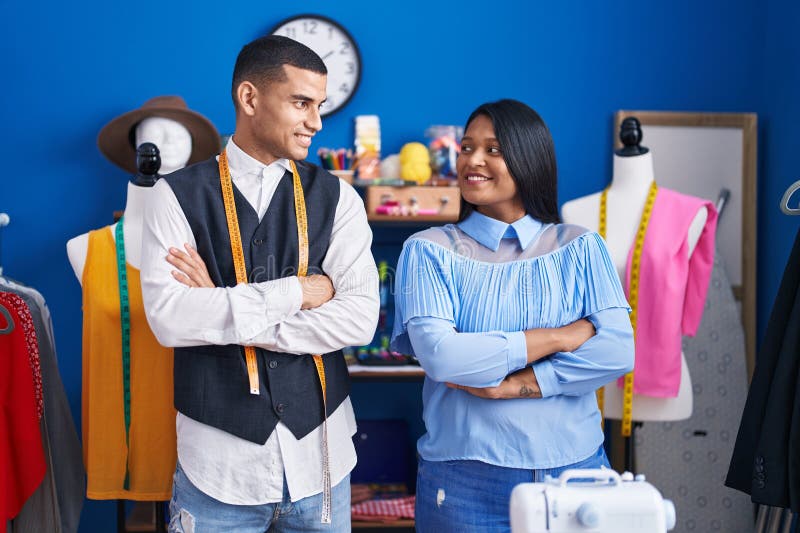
point(425, 307)
point(597, 278)
point(608, 354)
point(423, 288)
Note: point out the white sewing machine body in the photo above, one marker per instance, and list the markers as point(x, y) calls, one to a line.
point(592, 500)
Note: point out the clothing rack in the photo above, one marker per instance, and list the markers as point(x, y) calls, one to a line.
point(774, 520)
point(794, 187)
point(4, 221)
point(9, 322)
point(722, 199)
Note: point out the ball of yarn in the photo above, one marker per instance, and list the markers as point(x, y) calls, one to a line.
point(415, 162)
point(390, 167)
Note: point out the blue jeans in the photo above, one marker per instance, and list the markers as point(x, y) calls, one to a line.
point(472, 496)
point(193, 511)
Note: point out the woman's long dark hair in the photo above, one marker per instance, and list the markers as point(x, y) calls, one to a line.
point(529, 155)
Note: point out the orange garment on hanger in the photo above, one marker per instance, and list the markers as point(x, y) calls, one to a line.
point(152, 454)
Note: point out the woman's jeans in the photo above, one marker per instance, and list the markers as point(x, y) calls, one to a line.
point(472, 496)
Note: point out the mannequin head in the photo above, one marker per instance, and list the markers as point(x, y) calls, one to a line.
point(519, 147)
point(182, 136)
point(630, 133)
point(173, 140)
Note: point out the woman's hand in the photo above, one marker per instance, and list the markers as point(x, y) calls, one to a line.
point(520, 384)
point(575, 334)
point(192, 271)
point(542, 342)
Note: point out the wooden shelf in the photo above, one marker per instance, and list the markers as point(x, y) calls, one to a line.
point(411, 219)
point(387, 373)
point(364, 524)
point(436, 204)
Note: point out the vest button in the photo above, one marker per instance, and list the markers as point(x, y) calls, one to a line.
point(280, 407)
point(258, 242)
point(273, 364)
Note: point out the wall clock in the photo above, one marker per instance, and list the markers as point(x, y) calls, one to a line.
point(335, 46)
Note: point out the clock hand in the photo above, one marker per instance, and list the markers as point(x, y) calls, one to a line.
point(327, 55)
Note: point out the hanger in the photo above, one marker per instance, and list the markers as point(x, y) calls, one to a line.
point(7, 315)
point(4, 220)
point(722, 199)
point(794, 187)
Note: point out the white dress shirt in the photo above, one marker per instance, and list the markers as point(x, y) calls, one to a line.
point(266, 315)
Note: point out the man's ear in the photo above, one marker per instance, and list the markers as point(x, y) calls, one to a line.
point(247, 95)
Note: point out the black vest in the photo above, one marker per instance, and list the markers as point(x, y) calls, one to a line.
point(211, 384)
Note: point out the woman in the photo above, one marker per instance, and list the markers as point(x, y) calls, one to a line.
point(516, 320)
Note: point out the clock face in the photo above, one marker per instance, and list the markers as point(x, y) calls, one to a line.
point(337, 49)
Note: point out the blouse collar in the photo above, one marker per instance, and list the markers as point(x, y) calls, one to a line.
point(490, 231)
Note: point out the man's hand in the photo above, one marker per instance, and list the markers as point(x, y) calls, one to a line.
point(520, 384)
point(192, 271)
point(575, 334)
point(317, 290)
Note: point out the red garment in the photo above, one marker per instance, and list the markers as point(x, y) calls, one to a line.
point(22, 465)
point(26, 323)
point(384, 509)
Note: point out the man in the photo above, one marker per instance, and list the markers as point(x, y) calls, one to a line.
point(251, 453)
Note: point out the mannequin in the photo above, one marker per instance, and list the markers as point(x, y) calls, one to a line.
point(632, 177)
point(173, 140)
point(131, 373)
point(178, 144)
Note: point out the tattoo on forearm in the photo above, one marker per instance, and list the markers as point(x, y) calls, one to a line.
point(527, 392)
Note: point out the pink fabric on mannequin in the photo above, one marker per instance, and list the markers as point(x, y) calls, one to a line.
point(672, 290)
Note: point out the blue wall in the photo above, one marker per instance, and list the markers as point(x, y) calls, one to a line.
point(71, 67)
point(779, 139)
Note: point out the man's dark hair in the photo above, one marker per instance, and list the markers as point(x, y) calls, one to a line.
point(261, 61)
point(529, 154)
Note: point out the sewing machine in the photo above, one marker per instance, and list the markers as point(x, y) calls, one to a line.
point(596, 500)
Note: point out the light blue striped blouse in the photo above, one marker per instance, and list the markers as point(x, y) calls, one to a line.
point(464, 295)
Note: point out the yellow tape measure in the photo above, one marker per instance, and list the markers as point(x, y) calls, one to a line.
point(601, 230)
point(302, 270)
point(302, 267)
point(238, 258)
point(633, 297)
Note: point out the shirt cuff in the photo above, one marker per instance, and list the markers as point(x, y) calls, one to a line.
point(546, 377)
point(517, 351)
point(258, 306)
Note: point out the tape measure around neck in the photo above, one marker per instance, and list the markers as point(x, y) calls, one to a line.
point(125, 323)
point(633, 296)
point(238, 259)
point(302, 270)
